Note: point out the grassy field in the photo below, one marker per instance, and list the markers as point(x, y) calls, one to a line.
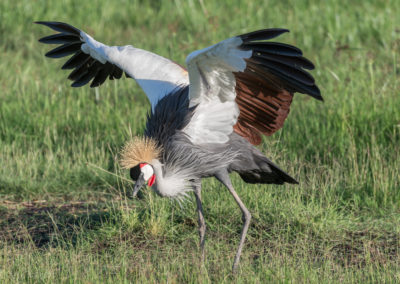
point(64, 212)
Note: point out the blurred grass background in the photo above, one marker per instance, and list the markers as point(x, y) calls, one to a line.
point(64, 214)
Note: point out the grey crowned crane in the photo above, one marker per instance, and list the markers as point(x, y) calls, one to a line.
point(204, 121)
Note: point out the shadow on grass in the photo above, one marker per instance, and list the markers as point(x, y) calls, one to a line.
point(45, 224)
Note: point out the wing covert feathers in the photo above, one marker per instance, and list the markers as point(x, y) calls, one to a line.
point(264, 90)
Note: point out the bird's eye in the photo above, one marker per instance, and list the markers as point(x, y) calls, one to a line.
point(135, 172)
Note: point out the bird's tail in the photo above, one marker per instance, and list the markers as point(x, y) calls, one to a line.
point(267, 172)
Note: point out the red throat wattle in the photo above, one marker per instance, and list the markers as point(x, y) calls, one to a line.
point(152, 179)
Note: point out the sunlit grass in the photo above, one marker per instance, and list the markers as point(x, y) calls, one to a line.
point(64, 214)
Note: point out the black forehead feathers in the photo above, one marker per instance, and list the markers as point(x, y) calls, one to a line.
point(135, 172)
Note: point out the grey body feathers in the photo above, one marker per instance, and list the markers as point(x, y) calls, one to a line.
point(193, 162)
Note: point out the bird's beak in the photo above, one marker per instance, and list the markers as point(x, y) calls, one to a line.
point(139, 184)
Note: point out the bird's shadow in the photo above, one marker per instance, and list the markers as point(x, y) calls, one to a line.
point(43, 224)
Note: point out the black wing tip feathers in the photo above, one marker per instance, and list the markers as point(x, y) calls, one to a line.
point(51, 23)
point(263, 34)
point(60, 38)
point(76, 85)
point(319, 96)
point(86, 68)
point(60, 27)
point(316, 93)
point(45, 23)
point(282, 60)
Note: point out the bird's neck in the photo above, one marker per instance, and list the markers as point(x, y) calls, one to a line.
point(169, 184)
point(158, 171)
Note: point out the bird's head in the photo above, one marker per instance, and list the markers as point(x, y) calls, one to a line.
point(142, 173)
point(137, 156)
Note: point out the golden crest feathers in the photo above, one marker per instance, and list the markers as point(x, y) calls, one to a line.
point(138, 150)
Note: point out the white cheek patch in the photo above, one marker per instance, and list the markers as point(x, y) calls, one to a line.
point(147, 171)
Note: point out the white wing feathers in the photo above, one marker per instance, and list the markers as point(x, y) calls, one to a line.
point(156, 75)
point(212, 89)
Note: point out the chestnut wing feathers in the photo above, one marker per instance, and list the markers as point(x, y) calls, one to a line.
point(261, 75)
point(264, 90)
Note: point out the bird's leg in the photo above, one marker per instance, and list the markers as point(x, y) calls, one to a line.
point(202, 224)
point(224, 178)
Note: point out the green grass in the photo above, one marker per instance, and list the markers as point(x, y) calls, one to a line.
point(64, 214)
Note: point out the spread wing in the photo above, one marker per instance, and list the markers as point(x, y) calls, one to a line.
point(94, 62)
point(245, 84)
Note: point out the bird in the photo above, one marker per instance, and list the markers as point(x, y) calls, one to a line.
point(205, 120)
